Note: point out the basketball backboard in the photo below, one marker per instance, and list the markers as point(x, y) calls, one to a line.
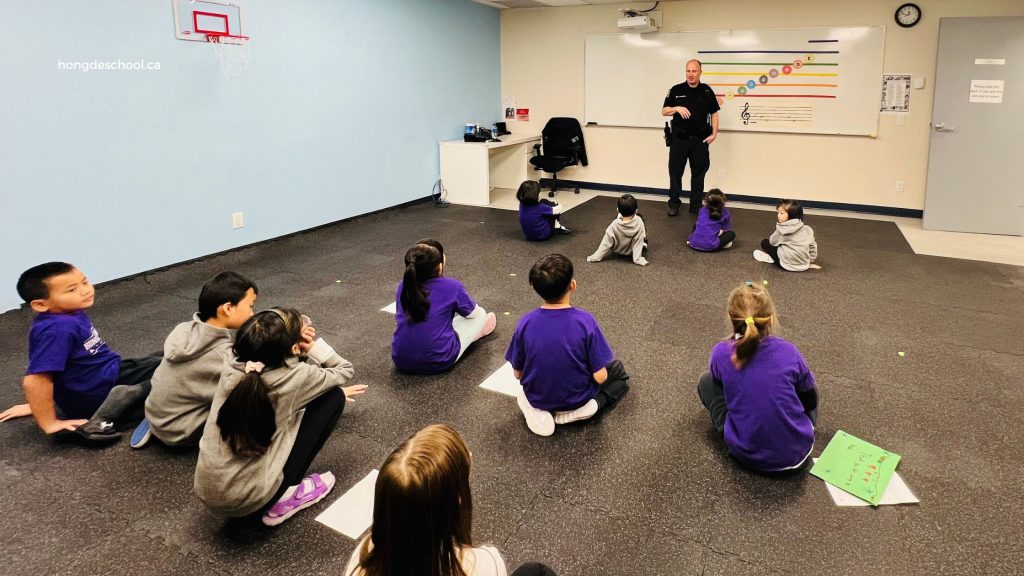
point(206, 21)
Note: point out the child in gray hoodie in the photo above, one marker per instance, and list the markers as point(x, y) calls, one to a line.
point(272, 412)
point(792, 246)
point(626, 234)
point(194, 356)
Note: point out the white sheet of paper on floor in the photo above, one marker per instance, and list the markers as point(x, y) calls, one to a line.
point(352, 514)
point(503, 381)
point(390, 308)
point(897, 492)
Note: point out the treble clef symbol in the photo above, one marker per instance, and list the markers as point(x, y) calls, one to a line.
point(746, 113)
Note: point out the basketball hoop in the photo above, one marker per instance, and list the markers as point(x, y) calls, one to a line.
point(230, 50)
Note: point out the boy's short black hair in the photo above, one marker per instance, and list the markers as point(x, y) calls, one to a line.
point(792, 208)
point(32, 284)
point(551, 276)
point(627, 205)
point(226, 287)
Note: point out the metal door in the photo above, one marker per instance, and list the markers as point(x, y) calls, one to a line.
point(976, 157)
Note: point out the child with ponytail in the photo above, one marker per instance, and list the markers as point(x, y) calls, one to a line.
point(271, 415)
point(758, 389)
point(423, 515)
point(713, 230)
point(435, 318)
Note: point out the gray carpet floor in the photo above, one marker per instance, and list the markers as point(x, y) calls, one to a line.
point(648, 488)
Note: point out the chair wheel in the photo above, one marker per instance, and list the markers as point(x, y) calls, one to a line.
point(551, 194)
point(577, 190)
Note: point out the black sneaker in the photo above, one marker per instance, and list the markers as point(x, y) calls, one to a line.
point(98, 432)
point(673, 210)
point(563, 230)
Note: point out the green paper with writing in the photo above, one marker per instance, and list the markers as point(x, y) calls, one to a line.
point(857, 467)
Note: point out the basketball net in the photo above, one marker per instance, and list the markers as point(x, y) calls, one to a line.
point(231, 52)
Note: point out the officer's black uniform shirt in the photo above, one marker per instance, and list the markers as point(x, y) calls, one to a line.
point(700, 101)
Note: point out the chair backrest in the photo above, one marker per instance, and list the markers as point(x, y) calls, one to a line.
point(562, 137)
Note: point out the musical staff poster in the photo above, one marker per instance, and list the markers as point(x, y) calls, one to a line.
point(814, 80)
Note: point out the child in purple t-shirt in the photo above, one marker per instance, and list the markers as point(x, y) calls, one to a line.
point(758, 388)
point(560, 356)
point(70, 367)
point(538, 217)
point(713, 230)
point(435, 318)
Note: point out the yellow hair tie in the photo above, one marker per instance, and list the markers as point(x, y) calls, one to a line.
point(749, 320)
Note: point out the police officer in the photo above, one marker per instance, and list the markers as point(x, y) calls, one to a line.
point(694, 111)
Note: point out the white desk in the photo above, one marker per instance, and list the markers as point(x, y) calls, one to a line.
point(470, 169)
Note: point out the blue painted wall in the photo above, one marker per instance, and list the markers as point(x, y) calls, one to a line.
point(338, 114)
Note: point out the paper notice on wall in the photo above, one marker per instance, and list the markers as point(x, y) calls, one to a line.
point(509, 104)
point(522, 114)
point(987, 91)
point(895, 93)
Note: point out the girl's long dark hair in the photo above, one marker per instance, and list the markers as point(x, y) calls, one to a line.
point(715, 201)
point(246, 419)
point(422, 508)
point(421, 262)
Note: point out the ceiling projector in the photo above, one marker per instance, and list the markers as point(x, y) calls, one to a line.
point(638, 23)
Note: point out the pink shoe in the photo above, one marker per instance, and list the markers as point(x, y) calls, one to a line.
point(311, 490)
point(489, 324)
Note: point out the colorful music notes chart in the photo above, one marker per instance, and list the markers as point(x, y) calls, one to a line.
point(856, 466)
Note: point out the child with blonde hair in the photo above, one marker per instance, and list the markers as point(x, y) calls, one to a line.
point(758, 389)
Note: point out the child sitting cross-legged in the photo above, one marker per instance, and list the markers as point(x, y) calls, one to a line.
point(560, 356)
point(758, 389)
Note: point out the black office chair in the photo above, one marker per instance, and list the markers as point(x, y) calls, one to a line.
point(561, 146)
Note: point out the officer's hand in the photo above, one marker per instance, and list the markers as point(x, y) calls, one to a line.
point(683, 111)
point(710, 139)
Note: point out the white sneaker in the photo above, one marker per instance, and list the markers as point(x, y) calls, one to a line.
point(540, 422)
point(763, 257)
point(729, 245)
point(581, 413)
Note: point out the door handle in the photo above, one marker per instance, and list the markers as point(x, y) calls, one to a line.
point(941, 127)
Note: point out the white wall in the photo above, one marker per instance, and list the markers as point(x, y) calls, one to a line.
point(542, 53)
point(120, 172)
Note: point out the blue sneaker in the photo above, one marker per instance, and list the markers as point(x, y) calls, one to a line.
point(141, 435)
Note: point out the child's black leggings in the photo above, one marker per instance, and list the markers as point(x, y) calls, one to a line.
point(318, 423)
point(614, 388)
point(772, 251)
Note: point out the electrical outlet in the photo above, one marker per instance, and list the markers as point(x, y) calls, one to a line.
point(237, 220)
point(899, 185)
point(721, 174)
point(901, 119)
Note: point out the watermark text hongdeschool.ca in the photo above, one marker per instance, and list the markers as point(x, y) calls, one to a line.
point(118, 65)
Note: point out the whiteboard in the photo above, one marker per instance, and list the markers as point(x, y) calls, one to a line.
point(809, 80)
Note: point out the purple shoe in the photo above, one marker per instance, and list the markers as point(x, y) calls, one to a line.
point(311, 490)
